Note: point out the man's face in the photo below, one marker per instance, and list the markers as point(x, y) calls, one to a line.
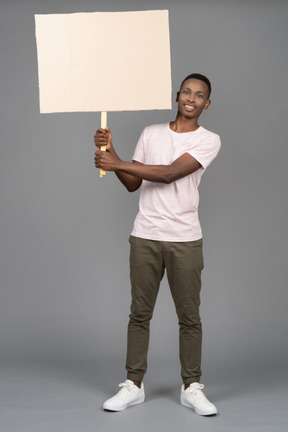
point(193, 98)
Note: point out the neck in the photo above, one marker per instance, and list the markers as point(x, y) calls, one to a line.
point(184, 124)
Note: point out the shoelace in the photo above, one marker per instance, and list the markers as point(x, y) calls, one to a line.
point(126, 388)
point(199, 395)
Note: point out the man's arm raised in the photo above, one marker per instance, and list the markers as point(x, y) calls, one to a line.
point(103, 137)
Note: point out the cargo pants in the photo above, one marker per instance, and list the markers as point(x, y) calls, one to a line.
point(183, 262)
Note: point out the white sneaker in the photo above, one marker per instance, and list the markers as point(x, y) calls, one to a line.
point(193, 397)
point(129, 395)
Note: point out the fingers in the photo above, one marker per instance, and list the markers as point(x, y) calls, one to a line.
point(100, 141)
point(102, 132)
point(101, 137)
point(104, 160)
point(97, 159)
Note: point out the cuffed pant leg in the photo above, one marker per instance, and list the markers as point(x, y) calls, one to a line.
point(184, 263)
point(146, 272)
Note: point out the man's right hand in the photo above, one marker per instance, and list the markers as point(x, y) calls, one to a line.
point(103, 137)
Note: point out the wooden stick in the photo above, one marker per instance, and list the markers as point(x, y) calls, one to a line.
point(103, 126)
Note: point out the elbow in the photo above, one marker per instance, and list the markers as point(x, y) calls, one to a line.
point(169, 180)
point(133, 186)
point(131, 189)
point(169, 177)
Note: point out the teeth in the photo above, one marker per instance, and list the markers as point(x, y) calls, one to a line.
point(189, 106)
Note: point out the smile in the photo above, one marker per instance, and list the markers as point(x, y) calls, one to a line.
point(189, 107)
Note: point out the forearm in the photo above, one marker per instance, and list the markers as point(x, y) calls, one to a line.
point(181, 167)
point(153, 173)
point(131, 182)
point(131, 174)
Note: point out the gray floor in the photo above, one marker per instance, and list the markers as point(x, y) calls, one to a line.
point(65, 397)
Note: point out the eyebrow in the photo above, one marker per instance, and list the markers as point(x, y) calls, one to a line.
point(198, 91)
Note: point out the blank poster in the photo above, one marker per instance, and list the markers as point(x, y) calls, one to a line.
point(104, 61)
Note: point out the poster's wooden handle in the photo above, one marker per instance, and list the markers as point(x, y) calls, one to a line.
point(103, 126)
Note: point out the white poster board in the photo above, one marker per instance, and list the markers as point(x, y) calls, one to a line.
point(104, 61)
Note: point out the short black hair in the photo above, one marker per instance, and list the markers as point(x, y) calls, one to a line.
point(199, 77)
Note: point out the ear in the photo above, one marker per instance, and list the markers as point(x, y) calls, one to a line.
point(207, 104)
point(177, 97)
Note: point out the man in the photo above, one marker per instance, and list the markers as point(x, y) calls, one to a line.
point(168, 163)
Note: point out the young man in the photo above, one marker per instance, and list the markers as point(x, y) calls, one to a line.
point(168, 163)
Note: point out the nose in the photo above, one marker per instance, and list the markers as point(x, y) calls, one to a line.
point(191, 97)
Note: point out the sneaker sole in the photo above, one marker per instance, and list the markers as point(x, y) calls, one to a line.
point(139, 401)
point(186, 404)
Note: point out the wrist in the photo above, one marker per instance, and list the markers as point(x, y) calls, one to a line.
point(112, 150)
point(118, 164)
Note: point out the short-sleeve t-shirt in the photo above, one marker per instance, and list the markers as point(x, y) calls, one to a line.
point(169, 212)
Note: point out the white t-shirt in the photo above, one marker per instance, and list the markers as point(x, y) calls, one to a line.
point(169, 212)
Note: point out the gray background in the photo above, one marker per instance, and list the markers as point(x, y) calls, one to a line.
point(64, 232)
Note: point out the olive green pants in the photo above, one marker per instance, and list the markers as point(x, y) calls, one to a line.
point(183, 263)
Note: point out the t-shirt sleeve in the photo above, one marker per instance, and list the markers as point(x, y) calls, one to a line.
point(139, 153)
point(206, 150)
